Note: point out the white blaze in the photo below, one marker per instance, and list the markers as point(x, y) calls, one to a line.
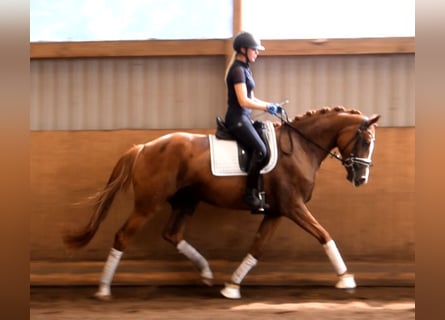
point(371, 150)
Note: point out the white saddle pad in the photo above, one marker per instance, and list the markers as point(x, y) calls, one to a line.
point(224, 154)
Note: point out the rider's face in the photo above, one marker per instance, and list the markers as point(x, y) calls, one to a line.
point(252, 54)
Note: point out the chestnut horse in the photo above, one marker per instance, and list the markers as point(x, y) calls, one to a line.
point(175, 169)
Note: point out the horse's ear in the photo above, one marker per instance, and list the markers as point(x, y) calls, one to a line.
point(373, 119)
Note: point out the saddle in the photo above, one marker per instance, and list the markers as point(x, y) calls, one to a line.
point(223, 133)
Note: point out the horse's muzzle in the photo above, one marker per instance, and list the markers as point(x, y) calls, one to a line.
point(359, 181)
point(356, 179)
point(358, 170)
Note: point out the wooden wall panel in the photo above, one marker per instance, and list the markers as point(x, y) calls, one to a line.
point(188, 92)
point(146, 48)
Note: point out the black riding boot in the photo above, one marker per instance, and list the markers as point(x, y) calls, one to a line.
point(251, 197)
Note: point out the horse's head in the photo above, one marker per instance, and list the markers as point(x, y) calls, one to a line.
point(356, 146)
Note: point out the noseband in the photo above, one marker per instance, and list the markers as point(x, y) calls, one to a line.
point(348, 162)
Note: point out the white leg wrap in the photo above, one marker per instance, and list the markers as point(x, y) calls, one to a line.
point(248, 263)
point(108, 273)
point(232, 290)
point(335, 257)
point(198, 260)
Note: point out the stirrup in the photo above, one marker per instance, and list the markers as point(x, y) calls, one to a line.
point(251, 197)
point(263, 206)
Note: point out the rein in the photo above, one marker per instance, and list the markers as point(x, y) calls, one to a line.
point(348, 162)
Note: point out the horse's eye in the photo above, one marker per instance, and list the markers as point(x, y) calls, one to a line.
point(366, 143)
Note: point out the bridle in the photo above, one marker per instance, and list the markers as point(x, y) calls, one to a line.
point(348, 162)
point(353, 159)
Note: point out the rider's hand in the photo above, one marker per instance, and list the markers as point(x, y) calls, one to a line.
point(273, 108)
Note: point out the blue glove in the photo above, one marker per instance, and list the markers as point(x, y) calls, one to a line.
point(273, 108)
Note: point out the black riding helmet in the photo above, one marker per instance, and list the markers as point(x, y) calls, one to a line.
point(246, 40)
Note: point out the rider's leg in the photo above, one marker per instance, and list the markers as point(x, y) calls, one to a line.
point(246, 134)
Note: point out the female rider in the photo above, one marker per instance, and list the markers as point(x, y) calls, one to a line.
point(241, 102)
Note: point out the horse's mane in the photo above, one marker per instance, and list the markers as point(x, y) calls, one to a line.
point(323, 110)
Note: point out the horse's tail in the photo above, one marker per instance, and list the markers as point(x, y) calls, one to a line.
point(120, 178)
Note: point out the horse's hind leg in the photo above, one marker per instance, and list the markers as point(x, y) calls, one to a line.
point(183, 208)
point(136, 219)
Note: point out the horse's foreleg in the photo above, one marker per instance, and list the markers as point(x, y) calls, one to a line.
point(174, 233)
point(265, 231)
point(346, 280)
point(133, 223)
point(305, 220)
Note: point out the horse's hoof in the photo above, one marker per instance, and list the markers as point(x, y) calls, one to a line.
point(104, 293)
point(207, 277)
point(346, 282)
point(207, 281)
point(102, 297)
point(231, 291)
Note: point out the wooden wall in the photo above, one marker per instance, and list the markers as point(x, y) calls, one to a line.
point(373, 222)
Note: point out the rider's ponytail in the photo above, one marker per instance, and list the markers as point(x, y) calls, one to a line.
point(232, 59)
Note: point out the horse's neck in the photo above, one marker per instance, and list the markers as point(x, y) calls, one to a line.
point(321, 132)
